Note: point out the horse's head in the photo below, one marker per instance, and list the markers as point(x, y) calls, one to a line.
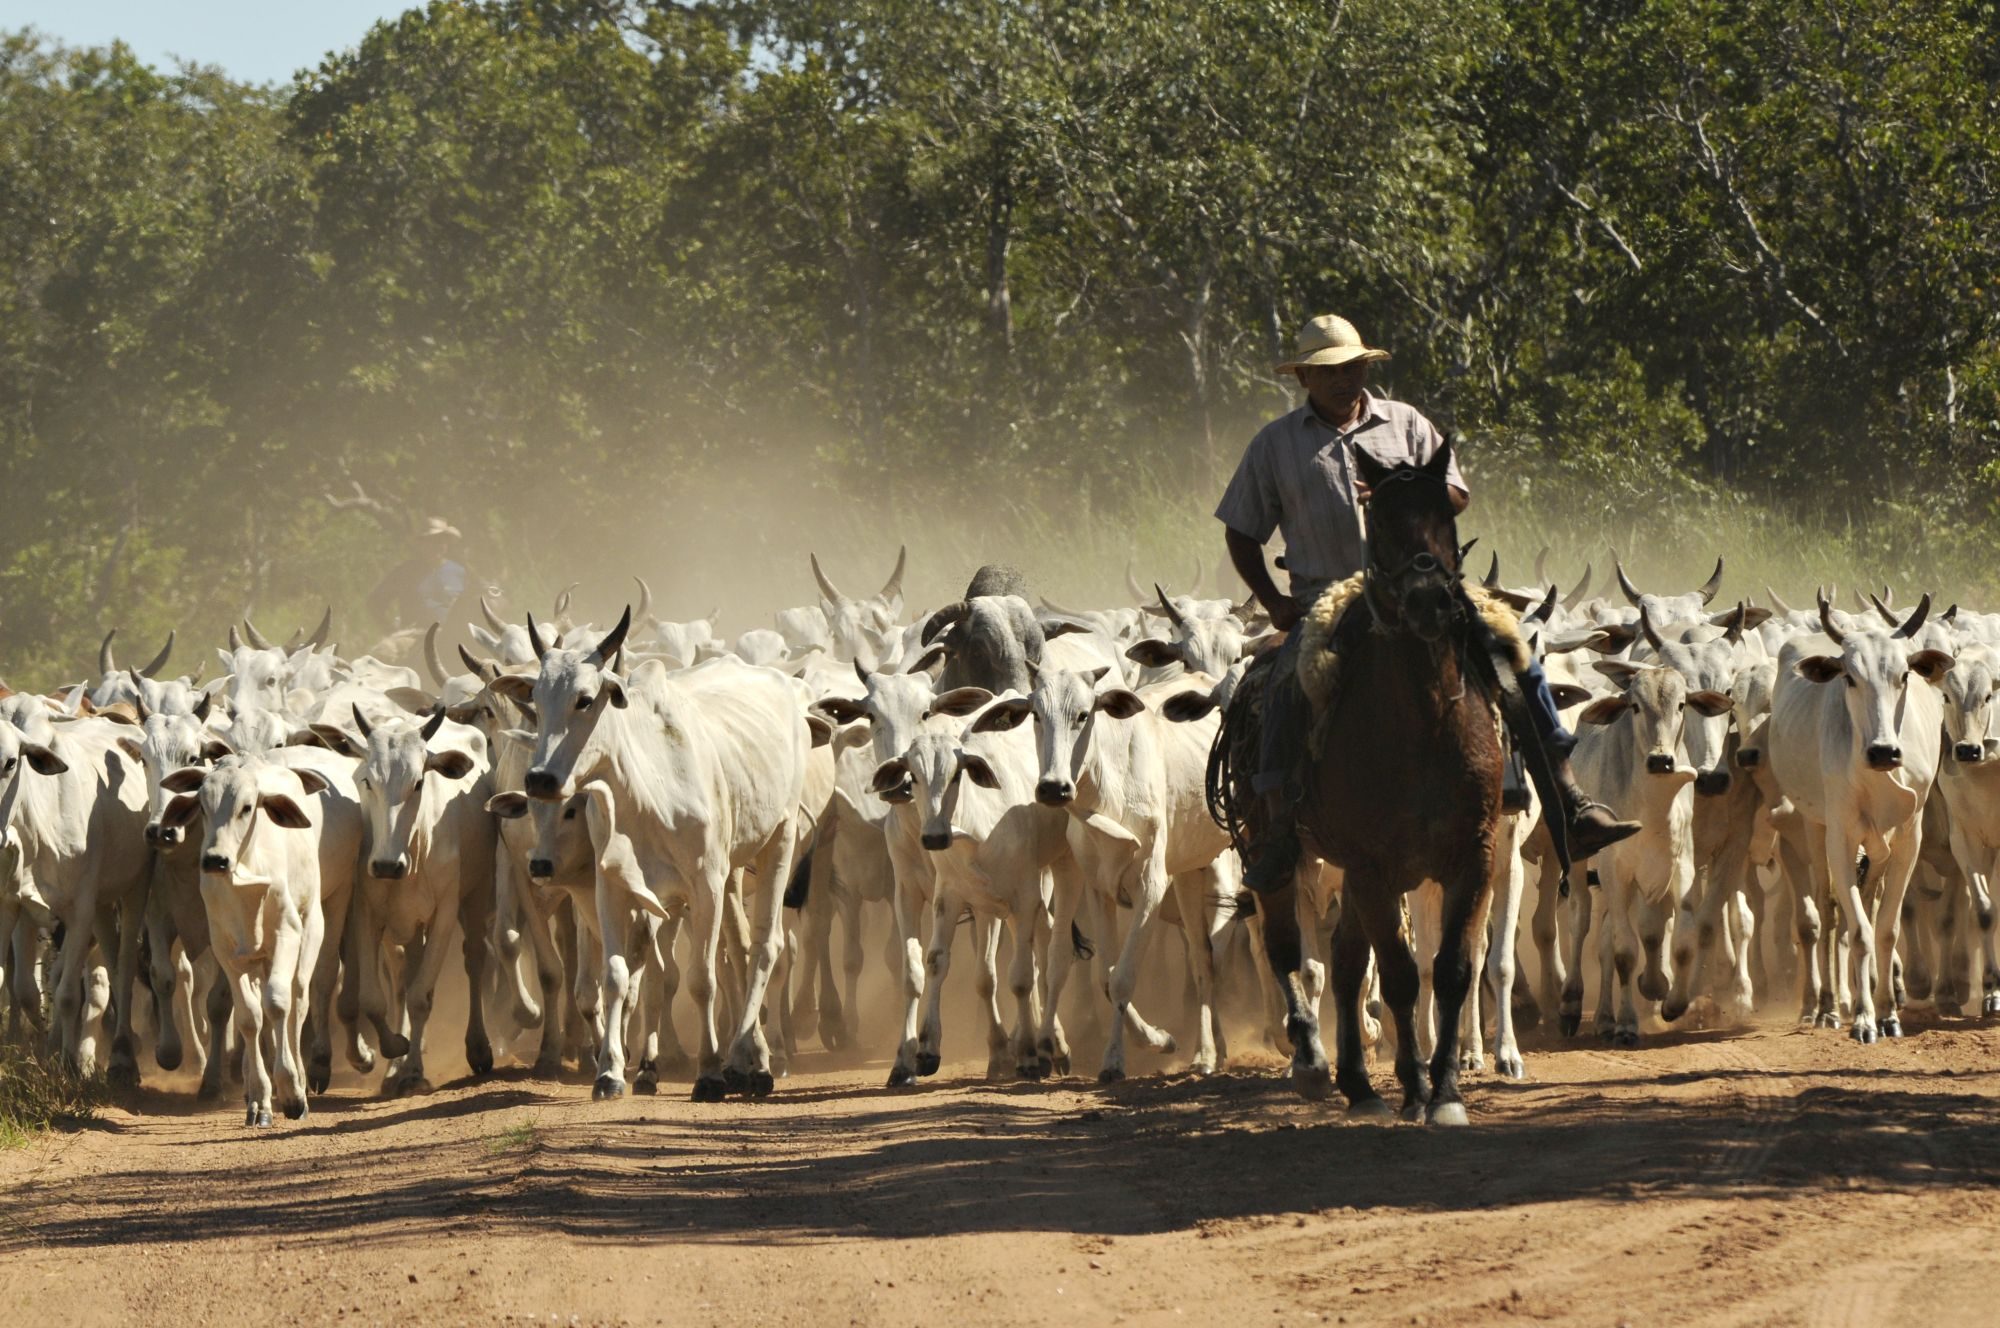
point(1412, 543)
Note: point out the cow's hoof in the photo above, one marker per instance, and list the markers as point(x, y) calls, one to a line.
point(1033, 1069)
point(759, 1083)
point(295, 1109)
point(1372, 1107)
point(1918, 986)
point(1059, 1065)
point(394, 1045)
point(737, 1081)
point(257, 1117)
point(1110, 1074)
point(210, 1090)
point(646, 1083)
point(1625, 1037)
point(1448, 1113)
point(1991, 1005)
point(546, 1067)
point(1201, 1068)
point(480, 1058)
point(1951, 1009)
point(1471, 1060)
point(408, 1085)
point(607, 1086)
point(1826, 1019)
point(1313, 1082)
point(1673, 1009)
point(1568, 1023)
point(902, 1076)
point(927, 1063)
point(167, 1058)
point(1892, 1027)
point(1510, 1065)
point(319, 1075)
point(122, 1076)
point(710, 1088)
point(1862, 1032)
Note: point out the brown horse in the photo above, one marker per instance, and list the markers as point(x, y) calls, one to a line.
point(1405, 789)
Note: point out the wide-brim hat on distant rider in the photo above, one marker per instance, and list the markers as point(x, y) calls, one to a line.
point(1330, 339)
point(437, 525)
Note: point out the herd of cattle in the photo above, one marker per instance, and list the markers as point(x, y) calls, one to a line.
point(291, 848)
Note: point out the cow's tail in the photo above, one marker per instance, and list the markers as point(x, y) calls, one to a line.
point(800, 886)
point(1081, 943)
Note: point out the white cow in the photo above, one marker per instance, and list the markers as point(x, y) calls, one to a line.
point(707, 769)
point(1970, 783)
point(1857, 761)
point(260, 886)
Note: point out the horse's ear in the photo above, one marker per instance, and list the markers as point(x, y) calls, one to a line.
point(1440, 462)
point(1370, 471)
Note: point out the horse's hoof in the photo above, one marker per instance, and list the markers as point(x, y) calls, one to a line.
point(927, 1063)
point(1313, 1082)
point(646, 1083)
point(1673, 1009)
point(1448, 1113)
point(1568, 1024)
point(710, 1088)
point(761, 1083)
point(608, 1086)
point(168, 1059)
point(1110, 1074)
point(1372, 1107)
point(902, 1076)
point(394, 1045)
point(480, 1058)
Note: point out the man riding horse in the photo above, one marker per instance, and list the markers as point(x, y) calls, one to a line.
point(1300, 476)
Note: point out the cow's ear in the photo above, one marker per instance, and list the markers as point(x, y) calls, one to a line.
point(821, 729)
point(1820, 668)
point(184, 780)
point(508, 806)
point(1604, 710)
point(1931, 665)
point(889, 776)
point(283, 811)
point(841, 709)
point(45, 761)
point(1001, 716)
point(131, 748)
point(452, 765)
point(1709, 703)
point(615, 689)
point(338, 739)
point(1153, 654)
point(514, 687)
point(1567, 694)
point(1055, 627)
point(214, 748)
point(1618, 671)
point(959, 701)
point(1186, 707)
point(313, 781)
point(181, 811)
point(413, 699)
point(976, 768)
point(1616, 636)
point(1120, 703)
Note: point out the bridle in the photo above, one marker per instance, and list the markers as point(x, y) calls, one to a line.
point(1375, 579)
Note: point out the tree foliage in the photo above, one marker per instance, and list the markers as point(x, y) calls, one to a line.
point(549, 266)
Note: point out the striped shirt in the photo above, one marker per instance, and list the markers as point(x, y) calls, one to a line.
point(1297, 477)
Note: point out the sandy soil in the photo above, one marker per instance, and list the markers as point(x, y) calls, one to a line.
point(1767, 1177)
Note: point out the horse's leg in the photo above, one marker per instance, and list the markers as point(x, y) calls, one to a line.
point(1350, 967)
point(1380, 916)
point(1310, 1074)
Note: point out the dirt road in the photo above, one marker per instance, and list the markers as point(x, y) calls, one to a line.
point(1766, 1177)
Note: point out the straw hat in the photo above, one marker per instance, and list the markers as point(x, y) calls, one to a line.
point(437, 525)
point(1329, 339)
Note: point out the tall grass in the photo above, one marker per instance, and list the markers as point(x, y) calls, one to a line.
point(37, 1095)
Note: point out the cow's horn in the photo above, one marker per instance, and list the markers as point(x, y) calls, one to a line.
point(613, 643)
point(256, 637)
point(1916, 618)
point(318, 638)
point(1542, 612)
point(105, 664)
point(645, 599)
point(1542, 566)
point(159, 660)
point(1713, 584)
point(1883, 610)
point(139, 705)
point(1777, 601)
point(492, 618)
point(1826, 620)
point(1577, 596)
point(433, 724)
point(1646, 625)
point(1735, 632)
point(235, 641)
point(361, 723)
point(431, 660)
point(1632, 592)
point(1173, 615)
point(1492, 581)
point(535, 638)
point(1132, 584)
point(894, 585)
point(562, 601)
point(826, 587)
point(480, 668)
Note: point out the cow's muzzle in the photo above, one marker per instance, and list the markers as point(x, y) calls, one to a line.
point(1749, 758)
point(1055, 793)
point(541, 869)
point(1884, 756)
point(215, 862)
point(1968, 753)
point(163, 836)
point(543, 783)
point(937, 840)
point(1712, 783)
point(389, 869)
point(1660, 763)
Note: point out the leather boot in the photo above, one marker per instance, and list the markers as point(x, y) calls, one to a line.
point(1273, 830)
point(1591, 826)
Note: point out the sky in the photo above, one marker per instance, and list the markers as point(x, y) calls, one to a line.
point(254, 41)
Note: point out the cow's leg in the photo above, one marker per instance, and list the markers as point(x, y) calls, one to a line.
point(853, 956)
point(185, 1015)
point(673, 1057)
point(282, 1001)
point(1031, 938)
point(165, 959)
point(1806, 917)
point(1065, 948)
point(1570, 1004)
point(1687, 901)
point(249, 995)
point(375, 992)
point(1511, 879)
point(1550, 977)
point(1622, 943)
point(749, 1067)
point(123, 1070)
point(1981, 886)
point(986, 936)
point(1192, 891)
point(647, 1002)
point(1850, 891)
point(1904, 849)
point(551, 979)
point(217, 1005)
point(1149, 888)
point(1471, 1013)
point(515, 918)
point(66, 1026)
point(614, 926)
point(1953, 989)
point(910, 1052)
point(1311, 1075)
point(420, 994)
point(474, 917)
point(945, 910)
point(321, 981)
point(707, 906)
point(356, 950)
point(585, 992)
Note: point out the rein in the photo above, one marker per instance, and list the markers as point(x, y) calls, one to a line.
point(1421, 564)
